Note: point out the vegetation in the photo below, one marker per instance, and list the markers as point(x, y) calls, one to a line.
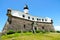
point(25, 35)
point(58, 31)
point(10, 32)
point(31, 36)
point(18, 32)
point(37, 31)
point(24, 31)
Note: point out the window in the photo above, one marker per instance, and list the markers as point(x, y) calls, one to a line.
point(24, 26)
point(42, 19)
point(32, 18)
point(42, 27)
point(52, 21)
point(37, 18)
point(23, 15)
point(45, 19)
point(28, 17)
point(35, 28)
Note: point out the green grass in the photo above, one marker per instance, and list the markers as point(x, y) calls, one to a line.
point(31, 36)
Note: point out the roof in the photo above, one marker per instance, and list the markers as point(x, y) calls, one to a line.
point(26, 7)
point(20, 14)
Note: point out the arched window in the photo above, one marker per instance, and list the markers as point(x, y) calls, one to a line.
point(42, 27)
point(37, 18)
point(23, 15)
point(24, 26)
point(32, 18)
point(42, 19)
point(51, 21)
point(35, 28)
point(28, 17)
point(45, 19)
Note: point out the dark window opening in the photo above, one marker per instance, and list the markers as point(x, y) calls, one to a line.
point(45, 19)
point(9, 22)
point(24, 26)
point(42, 27)
point(52, 21)
point(28, 17)
point(37, 18)
point(32, 18)
point(42, 19)
point(35, 28)
point(23, 15)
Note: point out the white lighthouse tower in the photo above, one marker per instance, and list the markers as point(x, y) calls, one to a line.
point(26, 9)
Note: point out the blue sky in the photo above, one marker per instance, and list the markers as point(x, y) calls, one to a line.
point(42, 8)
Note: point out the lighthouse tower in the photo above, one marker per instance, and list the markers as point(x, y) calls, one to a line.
point(26, 9)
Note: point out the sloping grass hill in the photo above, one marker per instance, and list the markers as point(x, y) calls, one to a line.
point(31, 36)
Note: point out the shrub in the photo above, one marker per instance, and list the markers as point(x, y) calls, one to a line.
point(24, 31)
point(18, 31)
point(37, 31)
point(10, 32)
point(29, 31)
point(43, 31)
point(58, 31)
point(51, 31)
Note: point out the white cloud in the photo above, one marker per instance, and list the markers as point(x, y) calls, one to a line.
point(57, 28)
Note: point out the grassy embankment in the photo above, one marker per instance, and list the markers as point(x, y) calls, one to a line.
point(31, 36)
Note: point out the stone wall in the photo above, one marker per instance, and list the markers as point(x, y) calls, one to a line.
point(18, 24)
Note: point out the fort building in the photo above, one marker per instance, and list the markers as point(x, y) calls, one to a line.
point(23, 21)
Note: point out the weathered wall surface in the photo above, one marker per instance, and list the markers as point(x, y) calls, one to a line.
point(18, 24)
